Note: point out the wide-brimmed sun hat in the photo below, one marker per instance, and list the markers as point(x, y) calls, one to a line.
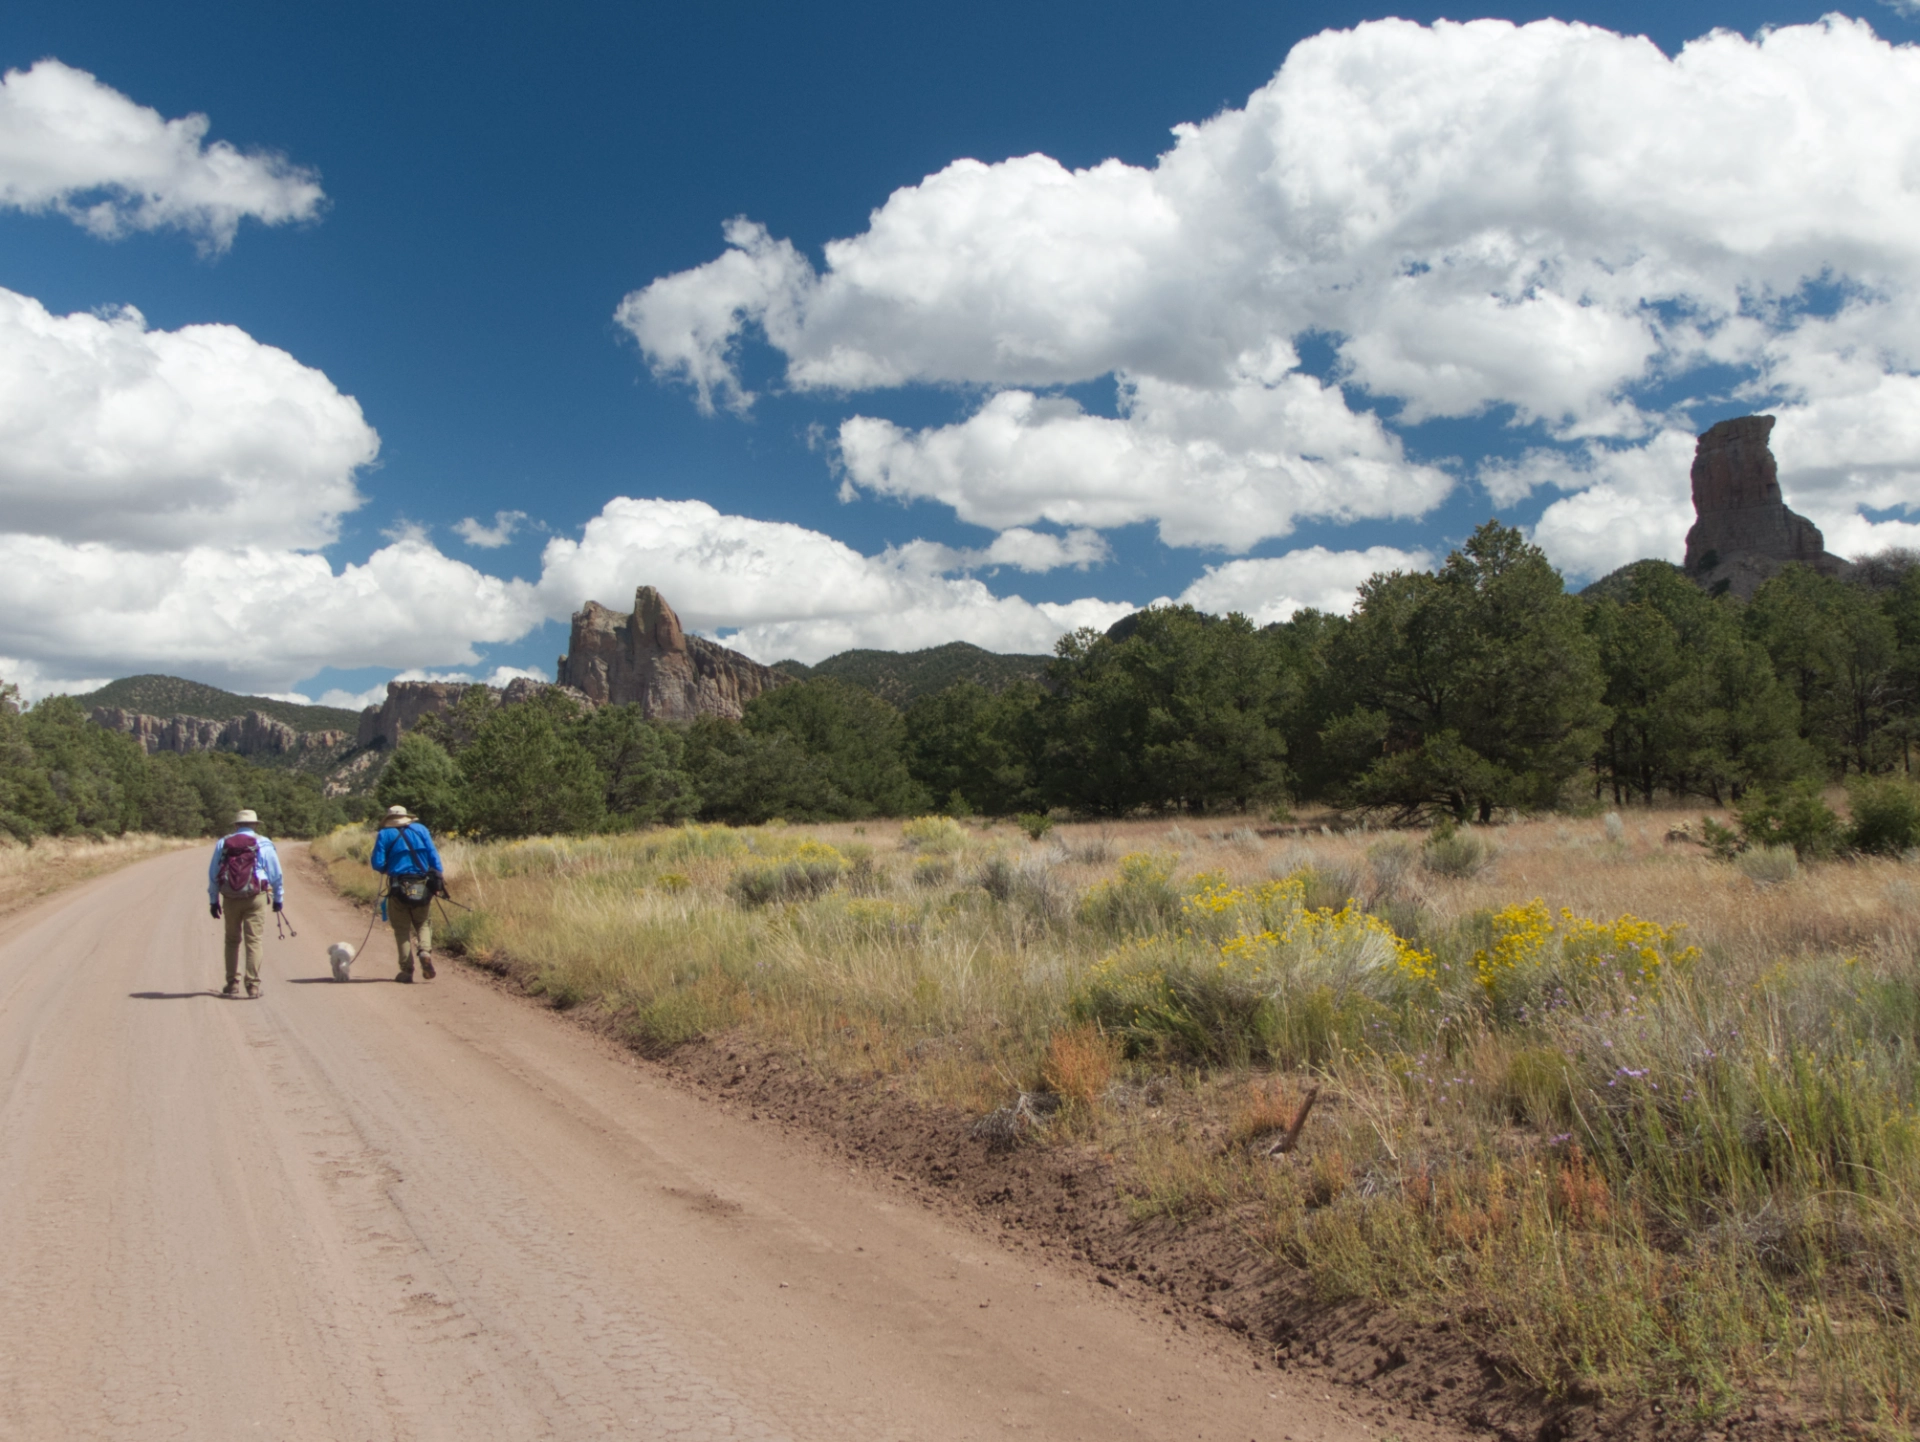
point(399, 813)
point(245, 817)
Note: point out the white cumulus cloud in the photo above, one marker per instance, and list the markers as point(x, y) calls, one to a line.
point(251, 618)
point(1550, 221)
point(491, 538)
point(113, 432)
point(1272, 588)
point(75, 146)
point(1027, 550)
point(1225, 468)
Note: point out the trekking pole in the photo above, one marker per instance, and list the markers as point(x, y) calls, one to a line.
point(278, 918)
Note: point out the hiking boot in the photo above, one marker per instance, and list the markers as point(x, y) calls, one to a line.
point(426, 966)
point(405, 976)
point(253, 991)
point(232, 988)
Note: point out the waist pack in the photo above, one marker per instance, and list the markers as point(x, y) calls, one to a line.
point(239, 865)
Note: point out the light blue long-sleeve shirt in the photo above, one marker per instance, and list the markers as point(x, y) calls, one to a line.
point(266, 866)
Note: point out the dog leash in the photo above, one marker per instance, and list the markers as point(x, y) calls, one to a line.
point(373, 916)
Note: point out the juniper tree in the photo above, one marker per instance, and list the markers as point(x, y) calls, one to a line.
point(1469, 690)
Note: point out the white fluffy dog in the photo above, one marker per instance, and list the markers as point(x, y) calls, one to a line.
point(341, 955)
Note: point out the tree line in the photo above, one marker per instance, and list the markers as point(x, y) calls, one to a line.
point(60, 775)
point(1482, 688)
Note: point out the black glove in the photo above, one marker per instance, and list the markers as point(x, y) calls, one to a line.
point(276, 906)
point(214, 907)
point(436, 884)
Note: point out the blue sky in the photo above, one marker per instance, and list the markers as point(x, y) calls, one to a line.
point(497, 183)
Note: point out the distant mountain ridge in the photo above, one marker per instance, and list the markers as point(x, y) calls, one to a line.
point(170, 713)
point(153, 695)
point(903, 677)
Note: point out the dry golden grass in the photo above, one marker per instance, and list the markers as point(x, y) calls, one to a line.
point(1681, 1180)
point(30, 872)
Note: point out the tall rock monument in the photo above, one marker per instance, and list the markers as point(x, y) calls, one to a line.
point(649, 658)
point(1744, 532)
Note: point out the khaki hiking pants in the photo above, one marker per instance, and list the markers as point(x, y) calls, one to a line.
point(246, 920)
point(412, 923)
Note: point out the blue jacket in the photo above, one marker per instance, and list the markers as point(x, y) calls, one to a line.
point(266, 866)
point(390, 851)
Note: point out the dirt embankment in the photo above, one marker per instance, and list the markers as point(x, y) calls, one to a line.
point(1067, 1200)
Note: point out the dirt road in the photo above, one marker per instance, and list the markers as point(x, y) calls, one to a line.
point(377, 1211)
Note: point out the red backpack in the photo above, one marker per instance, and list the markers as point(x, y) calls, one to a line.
point(239, 857)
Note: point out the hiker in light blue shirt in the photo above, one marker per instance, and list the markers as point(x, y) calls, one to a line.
point(243, 878)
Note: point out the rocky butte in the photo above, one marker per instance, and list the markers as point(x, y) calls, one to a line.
point(646, 659)
point(1744, 532)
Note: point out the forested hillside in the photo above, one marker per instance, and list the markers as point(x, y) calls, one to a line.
point(904, 677)
point(62, 776)
point(173, 696)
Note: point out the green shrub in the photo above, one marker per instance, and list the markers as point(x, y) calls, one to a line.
point(1391, 860)
point(1330, 885)
point(813, 870)
point(697, 843)
point(1176, 1004)
point(1175, 1008)
point(1035, 823)
point(1140, 899)
point(1886, 815)
point(934, 870)
point(1723, 841)
point(997, 877)
point(1799, 819)
point(934, 835)
point(1453, 852)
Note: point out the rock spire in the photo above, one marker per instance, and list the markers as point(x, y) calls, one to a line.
point(1745, 532)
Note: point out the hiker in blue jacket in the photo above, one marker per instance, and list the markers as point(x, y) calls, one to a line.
point(403, 852)
point(244, 873)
